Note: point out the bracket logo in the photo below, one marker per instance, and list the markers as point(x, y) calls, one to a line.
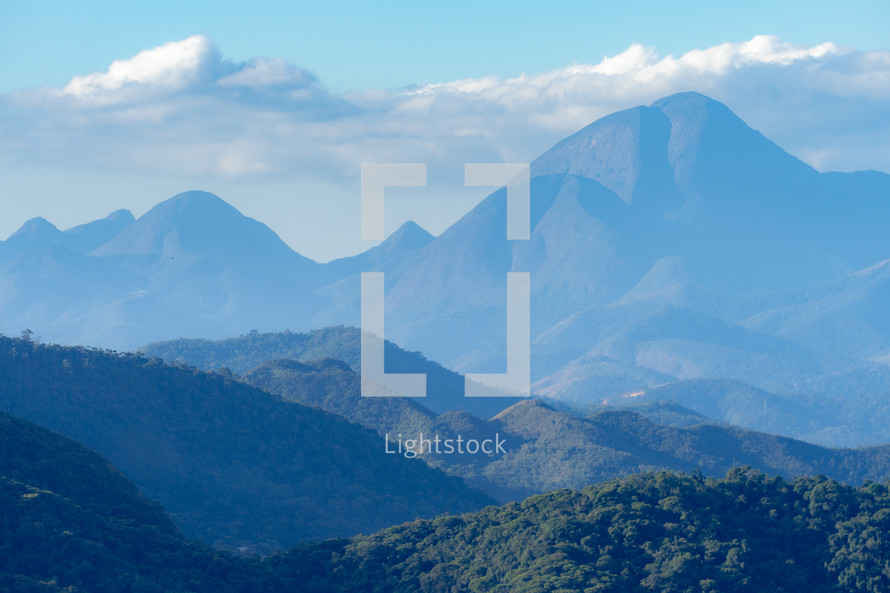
point(517, 380)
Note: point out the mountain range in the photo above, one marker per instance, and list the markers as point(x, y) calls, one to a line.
point(669, 242)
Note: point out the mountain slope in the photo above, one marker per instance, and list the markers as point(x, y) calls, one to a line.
point(46, 461)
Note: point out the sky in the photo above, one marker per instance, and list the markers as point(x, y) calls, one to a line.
point(275, 105)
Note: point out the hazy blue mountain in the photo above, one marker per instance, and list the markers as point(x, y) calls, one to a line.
point(833, 419)
point(547, 450)
point(581, 252)
point(191, 266)
point(38, 233)
point(664, 412)
point(88, 237)
point(627, 152)
point(679, 343)
point(197, 223)
point(343, 276)
point(389, 256)
point(34, 234)
point(662, 239)
point(848, 314)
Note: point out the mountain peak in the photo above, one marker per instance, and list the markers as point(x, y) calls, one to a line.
point(193, 206)
point(689, 100)
point(195, 198)
point(408, 236)
point(397, 249)
point(523, 408)
point(626, 151)
point(711, 147)
point(201, 223)
point(35, 229)
point(121, 215)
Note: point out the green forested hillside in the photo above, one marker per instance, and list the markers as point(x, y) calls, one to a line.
point(654, 532)
point(234, 466)
point(657, 532)
point(69, 521)
point(47, 461)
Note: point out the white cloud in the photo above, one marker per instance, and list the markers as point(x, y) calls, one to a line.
point(180, 108)
point(172, 66)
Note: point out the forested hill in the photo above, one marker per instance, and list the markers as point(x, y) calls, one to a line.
point(71, 522)
point(46, 461)
point(647, 533)
point(657, 532)
point(233, 465)
point(445, 388)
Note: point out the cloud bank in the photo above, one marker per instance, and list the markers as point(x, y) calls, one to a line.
point(182, 108)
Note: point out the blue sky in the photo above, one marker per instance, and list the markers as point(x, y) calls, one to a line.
point(353, 45)
point(274, 106)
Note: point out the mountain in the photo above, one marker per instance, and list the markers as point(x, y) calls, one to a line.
point(342, 277)
point(197, 223)
point(333, 386)
point(845, 314)
point(548, 450)
point(233, 465)
point(174, 272)
point(34, 234)
point(682, 181)
point(665, 412)
point(654, 531)
point(38, 233)
point(389, 256)
point(88, 237)
point(845, 420)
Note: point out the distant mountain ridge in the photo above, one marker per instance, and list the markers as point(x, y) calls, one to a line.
point(445, 388)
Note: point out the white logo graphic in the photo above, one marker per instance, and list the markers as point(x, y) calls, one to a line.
point(516, 381)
